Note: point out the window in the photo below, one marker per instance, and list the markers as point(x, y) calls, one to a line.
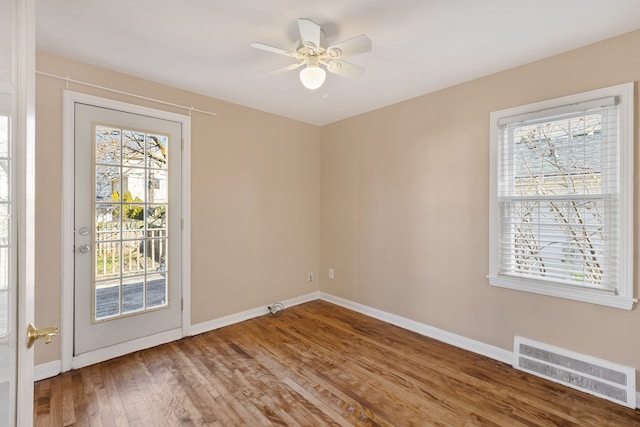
point(562, 197)
point(7, 232)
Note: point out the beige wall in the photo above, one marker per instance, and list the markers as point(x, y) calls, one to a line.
point(255, 198)
point(396, 200)
point(405, 193)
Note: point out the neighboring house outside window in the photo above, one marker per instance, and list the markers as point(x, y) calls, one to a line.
point(562, 197)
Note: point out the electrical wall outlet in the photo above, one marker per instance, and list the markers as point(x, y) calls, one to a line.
point(332, 273)
point(310, 276)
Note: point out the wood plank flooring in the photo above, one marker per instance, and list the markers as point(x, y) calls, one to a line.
point(316, 365)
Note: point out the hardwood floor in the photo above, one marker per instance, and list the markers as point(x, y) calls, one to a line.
point(317, 364)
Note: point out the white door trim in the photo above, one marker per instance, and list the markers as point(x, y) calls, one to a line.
point(67, 324)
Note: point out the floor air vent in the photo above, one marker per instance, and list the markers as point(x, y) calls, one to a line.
point(585, 373)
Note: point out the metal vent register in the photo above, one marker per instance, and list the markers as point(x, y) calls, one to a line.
point(601, 378)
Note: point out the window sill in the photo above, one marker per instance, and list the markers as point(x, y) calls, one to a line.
point(593, 296)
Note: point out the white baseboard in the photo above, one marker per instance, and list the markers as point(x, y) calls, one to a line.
point(493, 352)
point(47, 370)
point(211, 325)
point(118, 350)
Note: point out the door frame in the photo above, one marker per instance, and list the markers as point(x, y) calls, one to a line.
point(70, 98)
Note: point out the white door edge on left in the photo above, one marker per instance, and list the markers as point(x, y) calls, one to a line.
point(22, 44)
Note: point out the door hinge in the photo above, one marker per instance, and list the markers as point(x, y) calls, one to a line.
point(182, 145)
point(181, 304)
point(181, 223)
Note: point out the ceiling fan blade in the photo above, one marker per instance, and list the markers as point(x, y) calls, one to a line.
point(310, 33)
point(284, 69)
point(272, 49)
point(345, 69)
point(353, 46)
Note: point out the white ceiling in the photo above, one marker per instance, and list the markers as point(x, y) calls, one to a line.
point(419, 46)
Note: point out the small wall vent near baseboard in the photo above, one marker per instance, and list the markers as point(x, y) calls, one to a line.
point(598, 377)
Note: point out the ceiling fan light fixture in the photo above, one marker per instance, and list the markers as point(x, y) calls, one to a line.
point(318, 59)
point(312, 76)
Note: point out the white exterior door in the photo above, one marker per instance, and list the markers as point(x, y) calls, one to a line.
point(127, 233)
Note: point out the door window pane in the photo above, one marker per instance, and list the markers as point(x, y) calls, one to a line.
point(4, 180)
point(108, 183)
point(157, 187)
point(107, 218)
point(157, 217)
point(4, 136)
point(130, 222)
point(157, 290)
point(133, 148)
point(107, 297)
point(107, 257)
point(133, 295)
point(108, 145)
point(157, 151)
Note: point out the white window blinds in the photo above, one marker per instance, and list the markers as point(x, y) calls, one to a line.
point(558, 193)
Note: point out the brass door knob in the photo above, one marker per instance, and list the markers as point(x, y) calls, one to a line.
point(34, 333)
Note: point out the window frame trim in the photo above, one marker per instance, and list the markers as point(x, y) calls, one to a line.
point(623, 296)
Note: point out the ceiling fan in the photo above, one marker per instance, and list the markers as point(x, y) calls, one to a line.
point(311, 53)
